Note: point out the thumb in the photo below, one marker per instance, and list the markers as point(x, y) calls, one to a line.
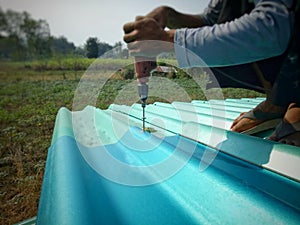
point(137, 18)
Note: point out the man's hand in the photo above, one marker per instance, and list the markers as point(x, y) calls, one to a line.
point(145, 29)
point(138, 33)
point(160, 15)
point(169, 17)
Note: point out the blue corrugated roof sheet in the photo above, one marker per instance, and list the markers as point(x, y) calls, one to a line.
point(102, 169)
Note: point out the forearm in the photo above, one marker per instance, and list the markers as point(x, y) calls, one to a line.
point(169, 17)
point(177, 20)
point(208, 17)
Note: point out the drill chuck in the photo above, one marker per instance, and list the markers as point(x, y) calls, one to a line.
point(143, 92)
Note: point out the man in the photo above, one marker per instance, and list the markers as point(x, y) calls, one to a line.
point(247, 45)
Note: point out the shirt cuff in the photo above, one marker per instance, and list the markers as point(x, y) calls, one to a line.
point(186, 58)
point(180, 49)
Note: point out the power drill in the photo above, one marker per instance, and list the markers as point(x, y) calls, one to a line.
point(143, 67)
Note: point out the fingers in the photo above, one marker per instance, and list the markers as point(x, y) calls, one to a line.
point(128, 27)
point(130, 37)
point(137, 18)
point(131, 31)
point(235, 122)
point(144, 29)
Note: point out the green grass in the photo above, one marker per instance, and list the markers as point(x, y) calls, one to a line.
point(30, 98)
point(75, 64)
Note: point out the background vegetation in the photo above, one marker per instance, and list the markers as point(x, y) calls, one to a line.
point(23, 38)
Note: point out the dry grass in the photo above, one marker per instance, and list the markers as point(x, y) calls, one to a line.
point(29, 101)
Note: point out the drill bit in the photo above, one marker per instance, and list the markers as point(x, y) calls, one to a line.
point(144, 117)
point(143, 93)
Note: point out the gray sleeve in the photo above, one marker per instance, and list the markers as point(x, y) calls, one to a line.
point(211, 13)
point(263, 33)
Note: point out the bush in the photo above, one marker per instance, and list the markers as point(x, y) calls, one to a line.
point(172, 75)
point(182, 74)
point(126, 73)
point(129, 72)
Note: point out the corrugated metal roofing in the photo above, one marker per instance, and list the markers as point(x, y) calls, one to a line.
point(208, 122)
point(30, 221)
point(102, 169)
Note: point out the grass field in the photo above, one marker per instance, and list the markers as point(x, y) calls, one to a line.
point(30, 97)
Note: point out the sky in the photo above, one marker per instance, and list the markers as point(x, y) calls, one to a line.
point(79, 19)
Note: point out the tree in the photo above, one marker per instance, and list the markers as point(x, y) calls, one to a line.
point(91, 47)
point(37, 36)
point(103, 47)
point(79, 51)
point(61, 46)
point(22, 37)
point(3, 23)
point(94, 48)
point(120, 51)
point(12, 43)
